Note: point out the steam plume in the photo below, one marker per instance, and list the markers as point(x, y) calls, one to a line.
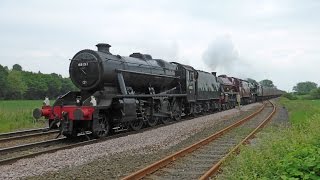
point(221, 53)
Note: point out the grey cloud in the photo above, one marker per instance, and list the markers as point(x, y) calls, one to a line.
point(259, 45)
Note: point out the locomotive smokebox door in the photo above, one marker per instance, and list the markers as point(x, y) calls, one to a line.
point(128, 109)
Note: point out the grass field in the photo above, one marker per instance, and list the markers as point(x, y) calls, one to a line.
point(283, 153)
point(17, 115)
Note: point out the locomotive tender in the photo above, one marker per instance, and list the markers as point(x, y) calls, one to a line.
point(122, 92)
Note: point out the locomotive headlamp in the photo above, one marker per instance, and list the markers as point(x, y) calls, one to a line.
point(46, 101)
point(93, 101)
point(78, 100)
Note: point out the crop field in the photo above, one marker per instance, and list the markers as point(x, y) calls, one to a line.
point(283, 152)
point(17, 115)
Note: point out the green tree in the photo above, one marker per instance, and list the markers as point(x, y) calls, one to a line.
point(16, 67)
point(315, 93)
point(16, 85)
point(290, 96)
point(19, 84)
point(67, 86)
point(37, 86)
point(54, 84)
point(305, 87)
point(3, 82)
point(267, 83)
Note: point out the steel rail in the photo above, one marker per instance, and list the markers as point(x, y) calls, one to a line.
point(14, 137)
point(14, 159)
point(165, 161)
point(30, 145)
point(216, 166)
point(15, 133)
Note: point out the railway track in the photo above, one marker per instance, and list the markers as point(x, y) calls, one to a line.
point(11, 154)
point(202, 159)
point(26, 137)
point(22, 133)
point(15, 151)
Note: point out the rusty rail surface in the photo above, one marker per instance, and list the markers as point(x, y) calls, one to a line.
point(163, 162)
point(216, 166)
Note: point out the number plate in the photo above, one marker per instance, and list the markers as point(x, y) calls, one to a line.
point(84, 64)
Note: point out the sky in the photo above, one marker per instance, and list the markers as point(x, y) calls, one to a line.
point(263, 39)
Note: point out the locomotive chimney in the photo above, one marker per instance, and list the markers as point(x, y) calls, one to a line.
point(102, 47)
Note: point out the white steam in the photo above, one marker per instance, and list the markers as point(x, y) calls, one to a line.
point(223, 57)
point(221, 53)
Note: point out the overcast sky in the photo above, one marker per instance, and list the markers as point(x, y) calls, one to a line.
point(262, 39)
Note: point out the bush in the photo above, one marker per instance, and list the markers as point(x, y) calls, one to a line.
point(315, 93)
point(290, 96)
point(301, 163)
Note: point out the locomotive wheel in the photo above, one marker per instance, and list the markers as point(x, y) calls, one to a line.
point(152, 121)
point(176, 112)
point(104, 127)
point(52, 124)
point(177, 116)
point(136, 125)
point(73, 135)
point(165, 120)
point(192, 112)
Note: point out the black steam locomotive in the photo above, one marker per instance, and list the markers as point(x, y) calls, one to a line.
point(120, 92)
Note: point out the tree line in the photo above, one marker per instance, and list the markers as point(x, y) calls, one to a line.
point(265, 82)
point(307, 90)
point(16, 83)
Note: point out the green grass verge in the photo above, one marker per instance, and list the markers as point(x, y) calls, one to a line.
point(282, 153)
point(17, 115)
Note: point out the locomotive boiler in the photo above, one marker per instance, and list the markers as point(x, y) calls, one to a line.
point(93, 70)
